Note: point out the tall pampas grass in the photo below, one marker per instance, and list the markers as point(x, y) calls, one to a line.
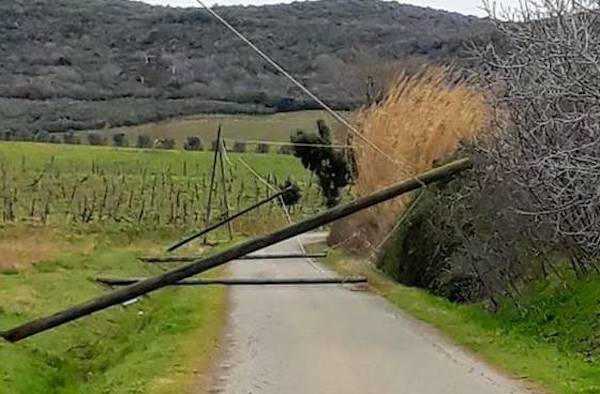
point(422, 119)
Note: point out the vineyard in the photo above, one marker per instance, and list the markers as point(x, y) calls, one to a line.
point(44, 184)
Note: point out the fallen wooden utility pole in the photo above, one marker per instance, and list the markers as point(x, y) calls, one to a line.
point(168, 278)
point(187, 259)
point(240, 282)
point(226, 220)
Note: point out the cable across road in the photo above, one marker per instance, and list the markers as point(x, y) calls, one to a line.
point(307, 91)
point(286, 212)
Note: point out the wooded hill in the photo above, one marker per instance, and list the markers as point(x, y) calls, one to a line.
point(138, 63)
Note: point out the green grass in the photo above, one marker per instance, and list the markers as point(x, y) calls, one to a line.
point(276, 127)
point(154, 346)
point(552, 339)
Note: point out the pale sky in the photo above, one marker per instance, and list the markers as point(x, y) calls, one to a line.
point(468, 7)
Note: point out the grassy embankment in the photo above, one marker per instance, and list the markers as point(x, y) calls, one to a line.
point(154, 346)
point(551, 340)
point(158, 345)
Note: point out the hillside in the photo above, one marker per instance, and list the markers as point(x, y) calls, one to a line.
point(77, 64)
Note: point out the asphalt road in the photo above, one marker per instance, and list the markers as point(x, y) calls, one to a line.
point(330, 339)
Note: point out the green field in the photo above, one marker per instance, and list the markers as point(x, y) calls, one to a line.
point(64, 184)
point(276, 127)
point(69, 214)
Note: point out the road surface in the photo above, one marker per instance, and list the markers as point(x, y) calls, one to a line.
point(324, 339)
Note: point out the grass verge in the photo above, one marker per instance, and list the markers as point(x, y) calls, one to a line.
point(551, 340)
point(159, 345)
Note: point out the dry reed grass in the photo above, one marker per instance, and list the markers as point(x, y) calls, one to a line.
point(26, 250)
point(423, 119)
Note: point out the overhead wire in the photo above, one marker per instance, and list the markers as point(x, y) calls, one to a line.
point(307, 91)
point(286, 212)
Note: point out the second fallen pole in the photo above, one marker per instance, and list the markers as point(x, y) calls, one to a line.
point(226, 220)
point(189, 259)
point(242, 282)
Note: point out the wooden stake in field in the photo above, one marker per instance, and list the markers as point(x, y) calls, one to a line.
point(172, 277)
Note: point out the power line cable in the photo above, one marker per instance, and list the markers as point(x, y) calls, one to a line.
point(279, 68)
point(287, 214)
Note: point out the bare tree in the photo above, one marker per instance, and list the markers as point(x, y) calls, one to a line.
point(546, 84)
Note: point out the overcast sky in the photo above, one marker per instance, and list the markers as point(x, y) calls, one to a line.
point(469, 7)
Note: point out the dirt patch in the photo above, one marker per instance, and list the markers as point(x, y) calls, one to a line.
point(26, 250)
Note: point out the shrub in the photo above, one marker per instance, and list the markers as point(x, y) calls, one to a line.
point(263, 148)
point(24, 135)
point(164, 143)
point(329, 165)
point(239, 147)
point(42, 136)
point(193, 144)
point(120, 140)
point(548, 135)
point(71, 138)
point(96, 139)
point(286, 150)
point(143, 141)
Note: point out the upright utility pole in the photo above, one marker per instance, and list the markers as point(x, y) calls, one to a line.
point(221, 148)
point(212, 182)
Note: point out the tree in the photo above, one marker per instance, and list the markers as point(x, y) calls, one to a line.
point(120, 140)
point(71, 138)
point(263, 148)
point(42, 136)
point(286, 150)
point(239, 147)
point(143, 141)
point(318, 156)
point(164, 143)
point(547, 89)
point(96, 139)
point(193, 144)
